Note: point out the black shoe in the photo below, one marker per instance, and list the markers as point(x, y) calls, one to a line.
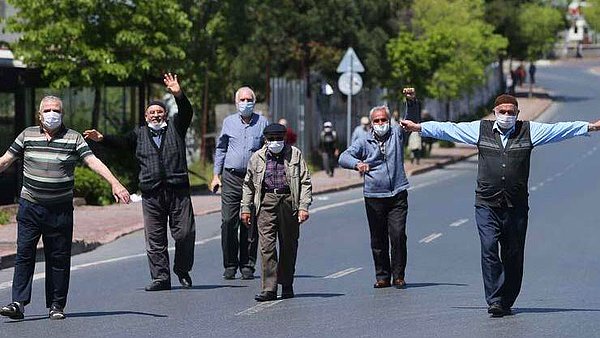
point(184, 279)
point(496, 310)
point(266, 296)
point(399, 283)
point(229, 274)
point(158, 285)
point(56, 312)
point(247, 274)
point(382, 283)
point(12, 311)
point(287, 292)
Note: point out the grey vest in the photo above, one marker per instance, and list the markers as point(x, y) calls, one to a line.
point(503, 172)
point(164, 165)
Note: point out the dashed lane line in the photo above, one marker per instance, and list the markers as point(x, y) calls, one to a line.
point(459, 222)
point(431, 237)
point(342, 273)
point(258, 308)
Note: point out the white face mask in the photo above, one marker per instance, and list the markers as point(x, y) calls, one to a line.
point(505, 121)
point(275, 146)
point(246, 108)
point(157, 126)
point(51, 120)
point(381, 129)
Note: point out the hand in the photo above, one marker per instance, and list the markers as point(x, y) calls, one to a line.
point(336, 152)
point(302, 216)
point(409, 92)
point(120, 193)
point(93, 135)
point(245, 217)
point(594, 126)
point(215, 184)
point(172, 84)
point(362, 167)
point(409, 125)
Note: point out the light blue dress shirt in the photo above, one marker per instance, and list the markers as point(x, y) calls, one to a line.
point(468, 132)
point(238, 141)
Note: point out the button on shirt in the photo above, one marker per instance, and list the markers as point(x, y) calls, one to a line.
point(238, 141)
point(275, 172)
point(468, 132)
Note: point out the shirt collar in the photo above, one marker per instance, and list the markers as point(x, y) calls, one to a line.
point(498, 129)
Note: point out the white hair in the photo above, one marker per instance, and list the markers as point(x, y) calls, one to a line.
point(380, 108)
point(50, 98)
point(237, 93)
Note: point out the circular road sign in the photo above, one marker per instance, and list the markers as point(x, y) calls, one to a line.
point(344, 83)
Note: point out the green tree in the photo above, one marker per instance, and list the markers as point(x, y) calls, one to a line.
point(446, 53)
point(90, 42)
point(538, 29)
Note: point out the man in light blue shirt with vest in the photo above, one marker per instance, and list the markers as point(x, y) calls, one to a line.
point(502, 198)
point(241, 136)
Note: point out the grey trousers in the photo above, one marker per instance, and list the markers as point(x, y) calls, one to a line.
point(246, 246)
point(174, 206)
point(277, 220)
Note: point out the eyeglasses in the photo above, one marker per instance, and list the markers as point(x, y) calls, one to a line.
point(380, 120)
point(51, 111)
point(505, 112)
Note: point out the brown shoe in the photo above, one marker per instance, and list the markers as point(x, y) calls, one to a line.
point(399, 283)
point(382, 283)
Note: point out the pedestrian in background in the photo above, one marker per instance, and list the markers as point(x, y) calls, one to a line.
point(414, 145)
point(502, 197)
point(241, 136)
point(278, 187)
point(380, 156)
point(49, 153)
point(290, 135)
point(328, 147)
point(160, 150)
point(363, 130)
point(532, 69)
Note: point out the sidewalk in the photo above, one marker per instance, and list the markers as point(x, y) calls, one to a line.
point(96, 225)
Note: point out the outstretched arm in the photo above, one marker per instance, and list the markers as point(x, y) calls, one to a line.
point(464, 132)
point(544, 133)
point(119, 192)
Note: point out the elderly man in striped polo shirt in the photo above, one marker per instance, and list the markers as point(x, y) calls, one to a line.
point(49, 152)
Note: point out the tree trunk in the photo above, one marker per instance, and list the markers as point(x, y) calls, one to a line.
point(268, 79)
point(204, 119)
point(96, 107)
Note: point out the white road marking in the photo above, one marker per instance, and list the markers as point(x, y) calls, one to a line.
point(342, 273)
point(322, 198)
point(41, 275)
point(258, 308)
point(431, 237)
point(335, 205)
point(459, 222)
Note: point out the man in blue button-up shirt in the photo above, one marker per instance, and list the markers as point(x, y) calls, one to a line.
point(241, 136)
point(501, 206)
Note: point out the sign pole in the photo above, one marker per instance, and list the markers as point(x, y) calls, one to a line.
point(349, 109)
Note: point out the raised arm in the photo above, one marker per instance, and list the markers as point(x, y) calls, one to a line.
point(184, 107)
point(119, 192)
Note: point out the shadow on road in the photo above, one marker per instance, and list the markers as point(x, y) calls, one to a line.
point(318, 295)
point(560, 98)
point(307, 276)
point(208, 287)
point(92, 314)
point(422, 285)
point(530, 309)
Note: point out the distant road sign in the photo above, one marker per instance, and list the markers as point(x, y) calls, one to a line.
point(344, 83)
point(350, 63)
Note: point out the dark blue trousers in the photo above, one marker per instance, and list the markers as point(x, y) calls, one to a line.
point(502, 234)
point(55, 225)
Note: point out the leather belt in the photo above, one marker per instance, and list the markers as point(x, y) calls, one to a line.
point(280, 191)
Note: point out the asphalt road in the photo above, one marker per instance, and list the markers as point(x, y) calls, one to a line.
point(444, 296)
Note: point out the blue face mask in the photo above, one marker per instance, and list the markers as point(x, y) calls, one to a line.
point(246, 108)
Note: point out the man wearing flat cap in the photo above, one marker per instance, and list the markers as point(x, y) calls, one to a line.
point(161, 153)
point(501, 197)
point(278, 186)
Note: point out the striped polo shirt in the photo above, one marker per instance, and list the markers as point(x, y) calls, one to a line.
point(48, 166)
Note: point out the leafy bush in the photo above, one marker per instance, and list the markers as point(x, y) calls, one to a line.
point(5, 217)
point(93, 187)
